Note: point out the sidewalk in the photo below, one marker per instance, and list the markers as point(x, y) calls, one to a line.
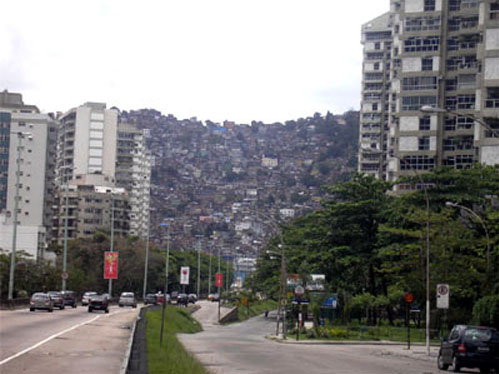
point(382, 347)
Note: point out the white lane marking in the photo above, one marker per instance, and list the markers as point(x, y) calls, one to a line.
point(47, 340)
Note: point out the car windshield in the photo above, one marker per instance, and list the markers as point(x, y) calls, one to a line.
point(40, 296)
point(54, 293)
point(477, 335)
point(127, 294)
point(89, 293)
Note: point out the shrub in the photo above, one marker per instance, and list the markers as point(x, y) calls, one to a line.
point(338, 333)
point(486, 311)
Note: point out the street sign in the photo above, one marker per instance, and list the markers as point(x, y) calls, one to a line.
point(219, 280)
point(443, 292)
point(408, 297)
point(299, 291)
point(184, 275)
point(65, 275)
point(331, 302)
point(110, 265)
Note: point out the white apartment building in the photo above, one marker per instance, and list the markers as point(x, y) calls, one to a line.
point(28, 137)
point(87, 141)
point(442, 54)
point(133, 172)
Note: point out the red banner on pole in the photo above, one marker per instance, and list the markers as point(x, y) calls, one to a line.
point(219, 280)
point(111, 265)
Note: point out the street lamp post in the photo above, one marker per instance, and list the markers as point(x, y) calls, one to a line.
point(146, 264)
point(449, 203)
point(199, 266)
point(430, 109)
point(65, 243)
point(166, 281)
point(20, 135)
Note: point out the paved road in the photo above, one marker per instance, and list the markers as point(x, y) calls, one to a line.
point(65, 341)
point(242, 348)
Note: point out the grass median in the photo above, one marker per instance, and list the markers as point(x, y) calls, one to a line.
point(255, 308)
point(171, 358)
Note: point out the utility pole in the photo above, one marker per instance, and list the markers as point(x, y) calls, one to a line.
point(166, 284)
point(199, 266)
point(209, 271)
point(146, 265)
point(65, 248)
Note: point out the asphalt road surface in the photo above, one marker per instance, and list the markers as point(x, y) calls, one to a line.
point(65, 341)
point(242, 348)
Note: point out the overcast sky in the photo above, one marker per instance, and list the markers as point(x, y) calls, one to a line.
point(240, 60)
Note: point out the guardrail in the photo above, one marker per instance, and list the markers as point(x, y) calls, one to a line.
point(14, 304)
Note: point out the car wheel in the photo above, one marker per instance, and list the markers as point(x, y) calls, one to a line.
point(121, 305)
point(31, 309)
point(485, 369)
point(455, 365)
point(61, 308)
point(440, 363)
point(90, 310)
point(107, 310)
point(51, 310)
point(74, 306)
point(135, 306)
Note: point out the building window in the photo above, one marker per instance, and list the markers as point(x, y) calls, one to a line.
point(424, 123)
point(419, 162)
point(429, 5)
point(493, 125)
point(424, 143)
point(466, 102)
point(377, 45)
point(414, 103)
point(494, 11)
point(375, 107)
point(422, 44)
point(419, 83)
point(376, 66)
point(427, 64)
point(449, 144)
point(459, 161)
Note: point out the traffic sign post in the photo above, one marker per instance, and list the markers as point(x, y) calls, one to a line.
point(299, 291)
point(409, 298)
point(443, 292)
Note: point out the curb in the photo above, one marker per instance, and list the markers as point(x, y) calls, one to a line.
point(124, 365)
point(344, 342)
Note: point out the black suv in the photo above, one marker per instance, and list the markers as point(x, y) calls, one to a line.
point(69, 298)
point(470, 347)
point(98, 302)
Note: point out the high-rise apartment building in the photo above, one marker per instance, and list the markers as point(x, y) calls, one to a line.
point(104, 171)
point(133, 173)
point(87, 142)
point(442, 54)
point(27, 143)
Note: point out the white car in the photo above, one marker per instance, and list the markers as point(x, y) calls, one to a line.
point(86, 297)
point(127, 299)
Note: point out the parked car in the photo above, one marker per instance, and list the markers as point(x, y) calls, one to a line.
point(69, 298)
point(57, 299)
point(127, 299)
point(151, 299)
point(98, 302)
point(86, 296)
point(470, 347)
point(193, 298)
point(215, 297)
point(41, 300)
point(182, 299)
point(174, 296)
